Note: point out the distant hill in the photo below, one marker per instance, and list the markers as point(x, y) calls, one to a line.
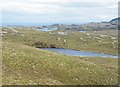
point(112, 24)
point(115, 21)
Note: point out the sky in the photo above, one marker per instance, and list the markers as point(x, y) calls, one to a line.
point(44, 12)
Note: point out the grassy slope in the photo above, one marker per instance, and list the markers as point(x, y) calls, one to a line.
point(0, 60)
point(74, 40)
point(27, 65)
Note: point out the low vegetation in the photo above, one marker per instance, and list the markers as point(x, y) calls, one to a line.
point(88, 41)
point(27, 65)
point(24, 64)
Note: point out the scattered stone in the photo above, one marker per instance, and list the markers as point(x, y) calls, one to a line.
point(14, 30)
point(22, 34)
point(81, 38)
point(113, 38)
point(62, 33)
point(101, 35)
point(88, 34)
point(65, 41)
point(58, 38)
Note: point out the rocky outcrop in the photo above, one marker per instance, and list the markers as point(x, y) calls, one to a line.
point(43, 45)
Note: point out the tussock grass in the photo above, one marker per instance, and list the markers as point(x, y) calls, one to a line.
point(24, 64)
point(91, 41)
point(27, 65)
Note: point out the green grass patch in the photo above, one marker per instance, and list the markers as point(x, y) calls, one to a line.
point(71, 39)
point(27, 65)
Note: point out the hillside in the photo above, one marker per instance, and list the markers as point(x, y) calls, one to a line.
point(23, 63)
point(101, 41)
point(27, 65)
point(115, 21)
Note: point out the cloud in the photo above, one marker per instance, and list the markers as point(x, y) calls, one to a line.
point(58, 10)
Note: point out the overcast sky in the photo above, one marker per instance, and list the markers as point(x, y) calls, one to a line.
point(57, 11)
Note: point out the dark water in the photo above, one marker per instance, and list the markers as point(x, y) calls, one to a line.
point(79, 53)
